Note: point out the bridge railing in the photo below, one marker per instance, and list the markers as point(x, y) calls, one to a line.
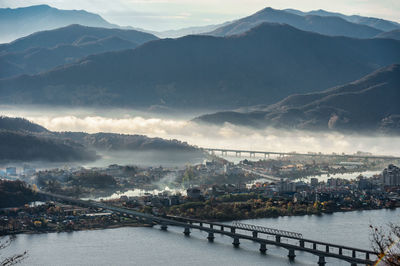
point(267, 230)
point(281, 233)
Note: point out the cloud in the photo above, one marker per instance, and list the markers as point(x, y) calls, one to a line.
point(226, 136)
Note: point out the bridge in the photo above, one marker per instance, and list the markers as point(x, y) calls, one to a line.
point(252, 153)
point(238, 231)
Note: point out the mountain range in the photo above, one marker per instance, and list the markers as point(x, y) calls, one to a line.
point(327, 25)
point(261, 66)
point(19, 22)
point(370, 104)
point(377, 23)
point(45, 50)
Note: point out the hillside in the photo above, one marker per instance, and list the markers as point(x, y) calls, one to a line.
point(123, 142)
point(22, 140)
point(19, 22)
point(45, 50)
point(332, 26)
point(259, 67)
point(17, 146)
point(366, 105)
point(20, 125)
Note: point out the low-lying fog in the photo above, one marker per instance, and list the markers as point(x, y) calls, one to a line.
point(179, 126)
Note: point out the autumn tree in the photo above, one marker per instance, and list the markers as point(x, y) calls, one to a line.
point(12, 259)
point(386, 242)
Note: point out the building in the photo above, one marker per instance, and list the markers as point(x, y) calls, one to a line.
point(391, 176)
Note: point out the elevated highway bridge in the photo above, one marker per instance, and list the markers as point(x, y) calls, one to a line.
point(253, 153)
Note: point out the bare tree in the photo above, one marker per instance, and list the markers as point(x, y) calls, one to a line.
point(386, 242)
point(13, 259)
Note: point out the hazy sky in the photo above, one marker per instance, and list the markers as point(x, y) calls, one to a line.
point(174, 14)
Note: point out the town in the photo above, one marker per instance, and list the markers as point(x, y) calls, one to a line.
point(217, 190)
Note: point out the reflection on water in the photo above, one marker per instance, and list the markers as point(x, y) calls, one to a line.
point(347, 176)
point(150, 246)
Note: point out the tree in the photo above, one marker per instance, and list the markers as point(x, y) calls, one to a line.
point(13, 259)
point(386, 242)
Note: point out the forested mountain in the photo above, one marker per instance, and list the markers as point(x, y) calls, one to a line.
point(368, 105)
point(262, 66)
point(45, 50)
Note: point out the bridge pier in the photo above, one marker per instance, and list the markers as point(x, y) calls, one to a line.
point(353, 254)
point(327, 248)
point(314, 246)
point(353, 264)
point(255, 234)
point(187, 231)
point(263, 248)
point(210, 236)
point(340, 251)
point(302, 243)
point(291, 254)
point(321, 261)
point(367, 256)
point(278, 239)
point(164, 227)
point(236, 242)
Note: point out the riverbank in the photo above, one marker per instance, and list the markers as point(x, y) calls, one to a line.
point(146, 246)
point(29, 232)
point(55, 217)
point(272, 213)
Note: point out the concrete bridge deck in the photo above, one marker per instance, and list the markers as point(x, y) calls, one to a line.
point(291, 241)
point(252, 153)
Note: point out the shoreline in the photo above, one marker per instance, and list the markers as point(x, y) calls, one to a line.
point(294, 215)
point(115, 226)
point(34, 232)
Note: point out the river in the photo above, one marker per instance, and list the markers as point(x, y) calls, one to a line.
point(151, 246)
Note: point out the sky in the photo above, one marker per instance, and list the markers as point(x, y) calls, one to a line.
point(161, 15)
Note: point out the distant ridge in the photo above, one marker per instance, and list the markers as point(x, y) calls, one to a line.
point(381, 24)
point(327, 25)
point(19, 22)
